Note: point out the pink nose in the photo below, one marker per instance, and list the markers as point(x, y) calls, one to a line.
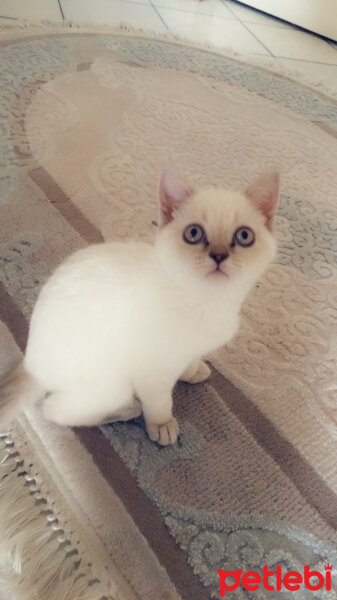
point(218, 257)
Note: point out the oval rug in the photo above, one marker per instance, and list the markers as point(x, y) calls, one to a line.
point(88, 119)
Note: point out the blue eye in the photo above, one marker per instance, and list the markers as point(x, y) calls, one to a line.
point(244, 236)
point(194, 234)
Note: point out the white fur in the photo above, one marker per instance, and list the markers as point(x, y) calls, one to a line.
point(118, 320)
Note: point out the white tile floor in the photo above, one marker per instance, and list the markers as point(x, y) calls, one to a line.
point(223, 23)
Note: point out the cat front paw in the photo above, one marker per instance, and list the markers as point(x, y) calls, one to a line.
point(165, 433)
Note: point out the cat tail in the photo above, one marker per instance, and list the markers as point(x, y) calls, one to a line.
point(18, 388)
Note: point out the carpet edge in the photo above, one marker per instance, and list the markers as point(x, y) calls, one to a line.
point(29, 528)
point(320, 85)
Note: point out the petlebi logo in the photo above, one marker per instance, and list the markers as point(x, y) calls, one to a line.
point(283, 581)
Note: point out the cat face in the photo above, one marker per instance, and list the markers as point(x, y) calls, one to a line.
point(217, 236)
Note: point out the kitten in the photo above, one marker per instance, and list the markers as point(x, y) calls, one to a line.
point(118, 324)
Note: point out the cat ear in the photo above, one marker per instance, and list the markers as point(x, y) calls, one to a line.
point(265, 194)
point(173, 192)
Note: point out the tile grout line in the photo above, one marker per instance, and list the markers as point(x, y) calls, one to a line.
point(255, 36)
point(249, 31)
point(287, 24)
point(312, 62)
point(159, 15)
point(272, 18)
point(191, 12)
point(293, 27)
point(234, 17)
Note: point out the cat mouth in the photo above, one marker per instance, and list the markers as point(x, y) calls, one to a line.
point(217, 273)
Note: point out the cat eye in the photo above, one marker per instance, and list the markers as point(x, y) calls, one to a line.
point(244, 236)
point(194, 234)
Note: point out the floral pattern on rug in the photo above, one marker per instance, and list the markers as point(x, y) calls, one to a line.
point(213, 540)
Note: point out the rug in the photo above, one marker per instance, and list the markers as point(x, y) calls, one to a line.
point(88, 119)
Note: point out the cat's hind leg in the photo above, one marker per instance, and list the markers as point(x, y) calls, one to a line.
point(196, 372)
point(80, 407)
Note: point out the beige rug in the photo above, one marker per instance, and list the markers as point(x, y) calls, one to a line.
point(87, 120)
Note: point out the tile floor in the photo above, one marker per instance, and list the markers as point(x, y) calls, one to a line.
point(223, 23)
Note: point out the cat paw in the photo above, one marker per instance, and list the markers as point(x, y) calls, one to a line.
point(201, 374)
point(165, 433)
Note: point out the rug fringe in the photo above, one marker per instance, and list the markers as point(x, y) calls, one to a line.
point(320, 85)
point(37, 559)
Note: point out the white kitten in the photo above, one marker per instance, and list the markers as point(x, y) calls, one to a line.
point(120, 322)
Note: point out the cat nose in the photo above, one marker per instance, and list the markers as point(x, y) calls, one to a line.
point(218, 257)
